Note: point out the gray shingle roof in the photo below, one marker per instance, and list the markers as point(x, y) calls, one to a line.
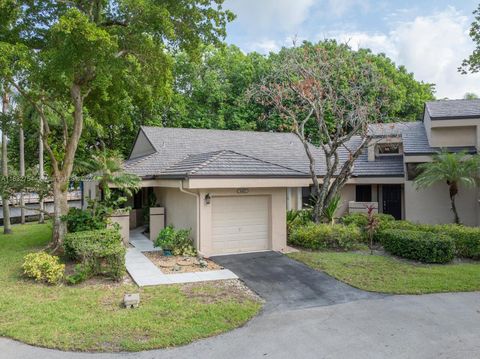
point(453, 109)
point(198, 152)
point(228, 163)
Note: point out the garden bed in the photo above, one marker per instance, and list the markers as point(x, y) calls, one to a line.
point(180, 264)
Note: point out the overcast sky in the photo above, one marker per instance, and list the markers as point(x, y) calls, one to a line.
point(429, 37)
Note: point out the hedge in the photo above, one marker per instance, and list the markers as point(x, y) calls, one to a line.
point(326, 236)
point(422, 246)
point(467, 239)
point(99, 251)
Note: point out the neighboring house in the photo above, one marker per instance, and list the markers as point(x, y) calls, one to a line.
point(232, 188)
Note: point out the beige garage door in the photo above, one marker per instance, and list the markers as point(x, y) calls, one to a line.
point(240, 224)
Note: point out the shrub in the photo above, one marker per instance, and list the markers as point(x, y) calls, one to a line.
point(360, 220)
point(79, 220)
point(178, 241)
point(298, 218)
point(418, 245)
point(43, 267)
point(99, 251)
point(325, 236)
point(467, 239)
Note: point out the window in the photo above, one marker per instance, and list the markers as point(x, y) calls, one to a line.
point(413, 171)
point(363, 193)
point(388, 148)
point(306, 196)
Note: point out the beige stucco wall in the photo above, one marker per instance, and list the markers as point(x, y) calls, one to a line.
point(347, 194)
point(180, 208)
point(277, 209)
point(432, 205)
point(453, 136)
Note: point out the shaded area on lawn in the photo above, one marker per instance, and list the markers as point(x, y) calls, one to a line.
point(387, 274)
point(90, 317)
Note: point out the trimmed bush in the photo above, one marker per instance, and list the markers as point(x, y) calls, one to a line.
point(326, 236)
point(43, 267)
point(417, 245)
point(100, 252)
point(177, 241)
point(467, 239)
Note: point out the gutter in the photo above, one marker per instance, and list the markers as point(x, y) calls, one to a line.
point(197, 196)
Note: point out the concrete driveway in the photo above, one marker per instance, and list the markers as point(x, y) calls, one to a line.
point(287, 284)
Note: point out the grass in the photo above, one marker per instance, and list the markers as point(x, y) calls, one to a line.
point(386, 274)
point(90, 317)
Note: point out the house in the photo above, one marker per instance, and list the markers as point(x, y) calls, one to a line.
point(232, 188)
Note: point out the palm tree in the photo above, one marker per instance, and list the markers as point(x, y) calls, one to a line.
point(106, 167)
point(454, 169)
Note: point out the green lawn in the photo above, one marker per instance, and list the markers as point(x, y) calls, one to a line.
point(90, 317)
point(390, 275)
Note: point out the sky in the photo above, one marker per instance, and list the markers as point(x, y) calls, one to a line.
point(429, 37)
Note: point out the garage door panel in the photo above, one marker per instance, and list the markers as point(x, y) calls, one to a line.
point(240, 223)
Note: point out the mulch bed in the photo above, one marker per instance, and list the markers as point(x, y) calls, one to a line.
point(179, 264)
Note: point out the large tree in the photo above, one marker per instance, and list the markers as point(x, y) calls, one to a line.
point(334, 92)
point(83, 62)
point(472, 63)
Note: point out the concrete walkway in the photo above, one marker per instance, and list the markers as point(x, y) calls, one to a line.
point(433, 326)
point(145, 273)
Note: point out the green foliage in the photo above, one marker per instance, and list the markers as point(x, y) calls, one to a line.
point(81, 274)
point(43, 267)
point(94, 217)
point(331, 208)
point(360, 220)
point(417, 245)
point(101, 252)
point(297, 218)
point(106, 167)
point(467, 239)
point(177, 241)
point(472, 63)
point(325, 236)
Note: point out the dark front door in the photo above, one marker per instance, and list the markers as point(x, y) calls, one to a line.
point(392, 200)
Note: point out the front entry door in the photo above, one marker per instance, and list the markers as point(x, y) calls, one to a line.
point(392, 200)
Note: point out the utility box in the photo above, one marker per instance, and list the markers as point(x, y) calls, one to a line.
point(157, 221)
point(131, 300)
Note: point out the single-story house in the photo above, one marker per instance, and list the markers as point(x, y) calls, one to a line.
point(233, 188)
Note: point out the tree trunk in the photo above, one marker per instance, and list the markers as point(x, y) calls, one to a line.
point(41, 174)
point(22, 167)
point(62, 176)
point(5, 202)
point(60, 209)
point(453, 189)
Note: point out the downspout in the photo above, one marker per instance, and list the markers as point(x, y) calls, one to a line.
point(197, 196)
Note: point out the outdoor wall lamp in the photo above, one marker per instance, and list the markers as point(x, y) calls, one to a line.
point(207, 198)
